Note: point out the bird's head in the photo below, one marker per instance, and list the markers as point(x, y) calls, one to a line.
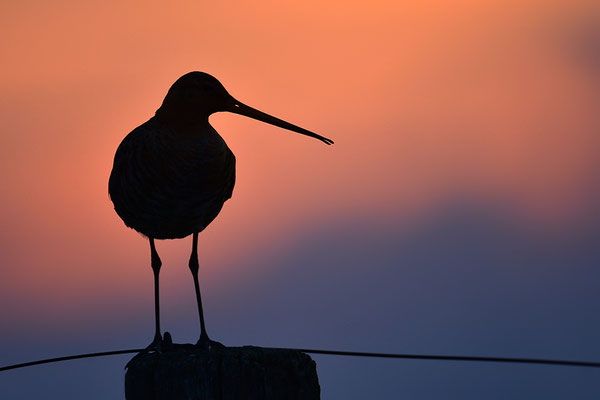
point(196, 95)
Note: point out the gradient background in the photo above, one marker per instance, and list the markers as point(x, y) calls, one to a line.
point(457, 213)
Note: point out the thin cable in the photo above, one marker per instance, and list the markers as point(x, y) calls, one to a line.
point(455, 358)
point(341, 353)
point(66, 358)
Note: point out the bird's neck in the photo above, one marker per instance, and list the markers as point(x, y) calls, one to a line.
point(187, 123)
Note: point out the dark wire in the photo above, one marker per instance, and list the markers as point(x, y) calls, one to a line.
point(456, 358)
point(340, 353)
point(66, 358)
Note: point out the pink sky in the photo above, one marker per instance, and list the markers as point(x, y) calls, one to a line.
point(426, 102)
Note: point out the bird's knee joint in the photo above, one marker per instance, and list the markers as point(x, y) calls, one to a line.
point(194, 264)
point(156, 262)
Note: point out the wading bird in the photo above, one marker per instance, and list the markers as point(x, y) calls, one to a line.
point(172, 174)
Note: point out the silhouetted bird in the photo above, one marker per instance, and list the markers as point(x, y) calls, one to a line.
point(172, 174)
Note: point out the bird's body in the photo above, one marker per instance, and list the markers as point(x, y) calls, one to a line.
point(172, 174)
point(170, 180)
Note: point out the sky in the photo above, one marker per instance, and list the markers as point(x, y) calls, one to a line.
point(457, 212)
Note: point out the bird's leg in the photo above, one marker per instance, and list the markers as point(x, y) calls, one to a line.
point(204, 340)
point(194, 269)
point(156, 264)
point(156, 344)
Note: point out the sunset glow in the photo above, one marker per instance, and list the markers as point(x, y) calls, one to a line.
point(429, 104)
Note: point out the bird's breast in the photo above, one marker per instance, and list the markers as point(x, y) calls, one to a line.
point(169, 183)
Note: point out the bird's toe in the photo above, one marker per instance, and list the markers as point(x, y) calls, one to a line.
point(206, 344)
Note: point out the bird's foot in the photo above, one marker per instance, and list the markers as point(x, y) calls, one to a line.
point(157, 346)
point(206, 344)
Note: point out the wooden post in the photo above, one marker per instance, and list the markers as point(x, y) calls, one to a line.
point(185, 372)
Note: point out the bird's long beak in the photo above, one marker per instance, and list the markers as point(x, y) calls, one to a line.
point(242, 109)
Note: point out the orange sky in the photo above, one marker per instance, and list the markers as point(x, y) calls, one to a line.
point(426, 101)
